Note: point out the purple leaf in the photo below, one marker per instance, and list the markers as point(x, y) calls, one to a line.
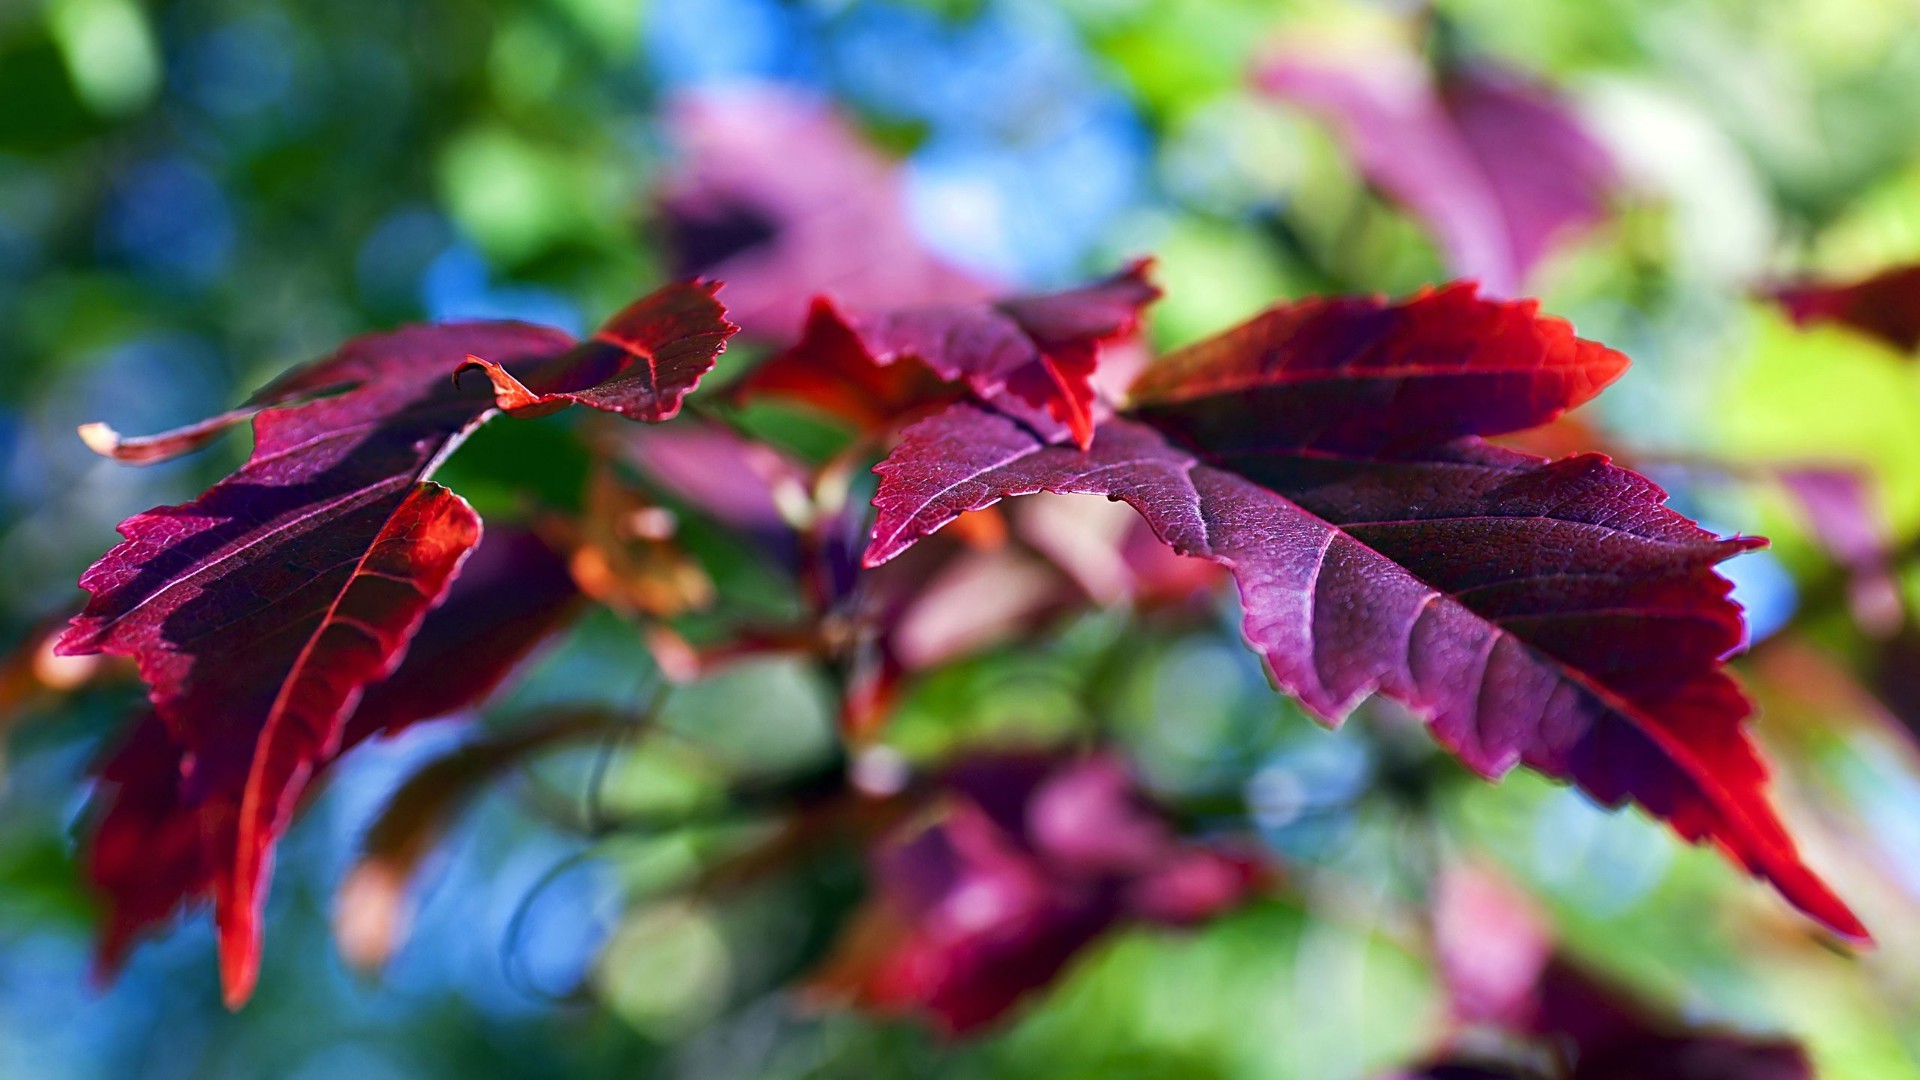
point(784, 199)
point(1494, 164)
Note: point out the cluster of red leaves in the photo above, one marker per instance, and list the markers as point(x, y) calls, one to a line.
point(270, 617)
point(1329, 455)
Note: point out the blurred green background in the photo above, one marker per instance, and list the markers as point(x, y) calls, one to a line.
point(195, 195)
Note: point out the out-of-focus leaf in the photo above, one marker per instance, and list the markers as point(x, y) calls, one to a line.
point(783, 199)
point(1025, 862)
point(1844, 516)
point(1502, 969)
point(626, 556)
point(1885, 306)
point(1491, 161)
point(372, 911)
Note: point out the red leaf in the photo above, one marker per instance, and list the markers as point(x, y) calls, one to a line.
point(513, 593)
point(1552, 614)
point(640, 365)
point(359, 638)
point(1028, 861)
point(783, 199)
point(1364, 376)
point(1036, 351)
point(163, 831)
point(831, 370)
point(260, 612)
point(1494, 164)
point(1885, 306)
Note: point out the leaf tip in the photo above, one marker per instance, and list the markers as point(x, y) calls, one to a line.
point(239, 965)
point(100, 438)
point(508, 392)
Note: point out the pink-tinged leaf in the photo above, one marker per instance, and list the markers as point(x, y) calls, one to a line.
point(1552, 614)
point(784, 199)
point(1491, 945)
point(1039, 352)
point(227, 601)
point(163, 832)
point(1026, 862)
point(641, 365)
point(1845, 517)
point(1885, 306)
point(1502, 970)
point(1495, 165)
point(740, 483)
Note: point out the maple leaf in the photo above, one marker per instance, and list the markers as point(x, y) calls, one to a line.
point(1884, 306)
point(640, 365)
point(259, 613)
point(1028, 860)
point(163, 833)
point(783, 198)
point(1033, 351)
point(1493, 163)
point(1548, 613)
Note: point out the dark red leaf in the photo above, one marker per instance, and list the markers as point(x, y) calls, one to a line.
point(513, 593)
point(783, 199)
point(1036, 351)
point(1029, 860)
point(640, 365)
point(261, 611)
point(1493, 163)
point(1362, 376)
point(269, 705)
point(163, 831)
point(1885, 306)
point(1552, 614)
point(150, 850)
point(359, 638)
point(831, 371)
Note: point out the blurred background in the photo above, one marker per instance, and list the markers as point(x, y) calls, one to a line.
point(195, 195)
